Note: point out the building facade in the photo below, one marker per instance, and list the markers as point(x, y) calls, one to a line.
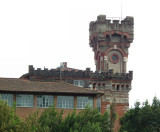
point(109, 40)
point(32, 96)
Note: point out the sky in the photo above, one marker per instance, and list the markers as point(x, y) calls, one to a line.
point(44, 33)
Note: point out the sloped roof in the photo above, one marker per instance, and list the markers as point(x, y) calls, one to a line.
point(23, 85)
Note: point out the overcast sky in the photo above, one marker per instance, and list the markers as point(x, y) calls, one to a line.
point(45, 33)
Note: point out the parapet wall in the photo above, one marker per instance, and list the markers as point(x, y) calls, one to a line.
point(84, 74)
point(100, 27)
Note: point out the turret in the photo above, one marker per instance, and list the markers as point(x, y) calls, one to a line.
point(110, 40)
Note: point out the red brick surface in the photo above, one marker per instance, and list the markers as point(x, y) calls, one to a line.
point(23, 112)
point(119, 109)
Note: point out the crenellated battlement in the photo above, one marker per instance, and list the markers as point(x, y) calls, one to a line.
point(103, 26)
point(81, 74)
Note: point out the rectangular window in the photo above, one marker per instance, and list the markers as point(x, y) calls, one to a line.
point(7, 98)
point(45, 101)
point(65, 102)
point(83, 101)
point(76, 82)
point(99, 104)
point(24, 100)
point(79, 83)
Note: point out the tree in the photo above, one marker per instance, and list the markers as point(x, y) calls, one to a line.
point(91, 127)
point(89, 120)
point(9, 122)
point(50, 120)
point(92, 116)
point(142, 119)
point(113, 116)
point(30, 123)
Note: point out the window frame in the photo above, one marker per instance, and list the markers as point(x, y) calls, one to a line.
point(79, 83)
point(85, 100)
point(63, 103)
point(23, 99)
point(99, 104)
point(8, 98)
point(43, 100)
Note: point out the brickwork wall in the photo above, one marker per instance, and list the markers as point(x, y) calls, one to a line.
point(120, 109)
point(104, 106)
point(24, 112)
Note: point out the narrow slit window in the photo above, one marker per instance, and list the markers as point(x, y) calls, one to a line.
point(117, 87)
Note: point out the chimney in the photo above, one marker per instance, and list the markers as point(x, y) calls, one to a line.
point(63, 64)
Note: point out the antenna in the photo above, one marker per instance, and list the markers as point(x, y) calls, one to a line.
point(121, 9)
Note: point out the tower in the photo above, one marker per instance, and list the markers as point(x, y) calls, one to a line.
point(110, 41)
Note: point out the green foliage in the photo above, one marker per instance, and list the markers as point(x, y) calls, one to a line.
point(87, 120)
point(91, 127)
point(142, 119)
point(9, 122)
point(30, 124)
point(91, 117)
point(50, 120)
point(69, 122)
point(113, 116)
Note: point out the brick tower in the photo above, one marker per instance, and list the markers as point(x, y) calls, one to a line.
point(110, 43)
point(110, 40)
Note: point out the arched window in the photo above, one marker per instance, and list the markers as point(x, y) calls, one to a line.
point(116, 38)
point(117, 87)
point(99, 85)
point(122, 87)
point(103, 85)
point(125, 39)
point(107, 38)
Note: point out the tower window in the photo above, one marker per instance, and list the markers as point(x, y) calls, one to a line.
point(117, 87)
point(107, 38)
point(114, 58)
point(116, 38)
point(127, 87)
point(122, 87)
point(99, 85)
point(103, 86)
point(125, 39)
